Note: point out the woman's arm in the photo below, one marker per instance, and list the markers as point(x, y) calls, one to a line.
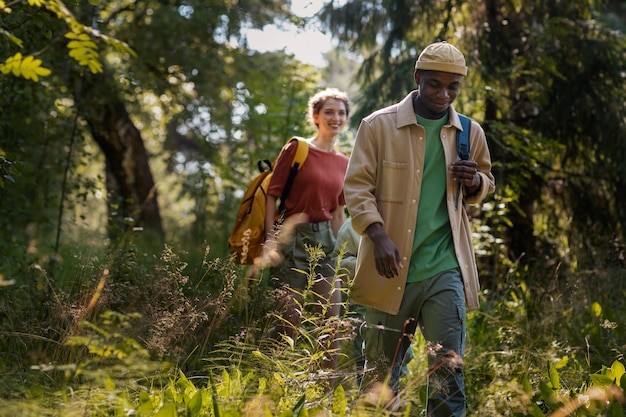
point(270, 215)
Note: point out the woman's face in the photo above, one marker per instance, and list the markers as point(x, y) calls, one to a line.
point(332, 117)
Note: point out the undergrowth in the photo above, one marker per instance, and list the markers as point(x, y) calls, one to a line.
point(128, 333)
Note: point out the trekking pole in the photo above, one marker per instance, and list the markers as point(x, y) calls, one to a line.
point(404, 342)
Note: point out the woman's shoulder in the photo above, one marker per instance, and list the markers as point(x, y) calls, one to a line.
point(340, 155)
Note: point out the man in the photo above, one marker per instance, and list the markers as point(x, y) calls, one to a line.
point(416, 259)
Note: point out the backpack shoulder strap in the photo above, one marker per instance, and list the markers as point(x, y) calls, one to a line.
point(463, 138)
point(302, 151)
point(462, 147)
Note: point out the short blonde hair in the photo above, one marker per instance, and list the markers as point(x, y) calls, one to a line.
point(317, 102)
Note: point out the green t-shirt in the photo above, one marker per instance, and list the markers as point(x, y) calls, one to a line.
point(433, 248)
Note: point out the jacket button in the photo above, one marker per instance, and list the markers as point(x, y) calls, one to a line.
point(399, 289)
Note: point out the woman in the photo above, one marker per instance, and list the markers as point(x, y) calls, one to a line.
point(317, 196)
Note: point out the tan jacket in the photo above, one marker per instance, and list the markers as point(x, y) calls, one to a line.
point(383, 184)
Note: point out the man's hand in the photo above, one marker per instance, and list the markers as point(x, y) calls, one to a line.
point(466, 173)
point(386, 253)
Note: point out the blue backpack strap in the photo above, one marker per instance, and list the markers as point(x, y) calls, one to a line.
point(463, 146)
point(462, 138)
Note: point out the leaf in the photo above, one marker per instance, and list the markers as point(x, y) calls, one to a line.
point(616, 410)
point(340, 402)
point(562, 362)
point(81, 36)
point(168, 410)
point(9, 35)
point(182, 381)
point(216, 408)
point(299, 405)
point(617, 369)
point(118, 45)
point(81, 44)
point(535, 411)
point(553, 375)
point(601, 380)
point(547, 394)
point(195, 404)
point(596, 309)
point(526, 384)
point(31, 68)
point(84, 50)
point(259, 354)
point(12, 64)
point(28, 67)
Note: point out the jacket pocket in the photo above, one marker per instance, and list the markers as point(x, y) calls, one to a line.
point(394, 181)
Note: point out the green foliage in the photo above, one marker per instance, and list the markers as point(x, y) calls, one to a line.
point(94, 328)
point(541, 350)
point(557, 162)
point(200, 103)
point(81, 47)
point(192, 341)
point(7, 170)
point(83, 50)
point(27, 67)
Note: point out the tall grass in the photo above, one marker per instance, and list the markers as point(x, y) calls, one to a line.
point(130, 333)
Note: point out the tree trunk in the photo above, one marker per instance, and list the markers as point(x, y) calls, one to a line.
point(132, 195)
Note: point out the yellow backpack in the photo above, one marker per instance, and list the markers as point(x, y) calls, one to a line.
point(246, 240)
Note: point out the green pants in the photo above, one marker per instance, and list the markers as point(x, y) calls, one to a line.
point(297, 257)
point(438, 306)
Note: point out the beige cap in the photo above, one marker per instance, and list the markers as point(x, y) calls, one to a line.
point(441, 56)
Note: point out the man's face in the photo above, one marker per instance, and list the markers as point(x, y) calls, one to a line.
point(437, 89)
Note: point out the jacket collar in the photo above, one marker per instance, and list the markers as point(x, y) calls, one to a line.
point(406, 115)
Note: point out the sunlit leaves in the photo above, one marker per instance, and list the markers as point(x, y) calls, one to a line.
point(82, 46)
point(555, 381)
point(84, 51)
point(609, 375)
point(28, 67)
point(3, 7)
point(11, 37)
point(596, 309)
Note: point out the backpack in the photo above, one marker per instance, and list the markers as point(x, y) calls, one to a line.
point(246, 240)
point(463, 147)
